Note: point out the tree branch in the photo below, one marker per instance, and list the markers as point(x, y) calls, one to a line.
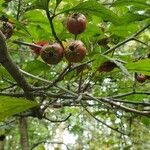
point(55, 121)
point(126, 40)
point(9, 65)
point(23, 133)
point(114, 129)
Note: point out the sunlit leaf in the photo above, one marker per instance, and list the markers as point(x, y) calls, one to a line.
point(94, 8)
point(10, 106)
point(140, 66)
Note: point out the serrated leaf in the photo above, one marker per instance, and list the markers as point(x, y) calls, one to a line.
point(140, 66)
point(10, 106)
point(132, 17)
point(40, 18)
point(94, 8)
point(142, 3)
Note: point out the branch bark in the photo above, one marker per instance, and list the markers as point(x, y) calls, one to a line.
point(12, 68)
point(132, 37)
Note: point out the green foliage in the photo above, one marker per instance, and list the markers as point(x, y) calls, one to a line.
point(10, 106)
point(140, 66)
point(109, 24)
point(35, 66)
point(94, 8)
point(142, 3)
point(40, 4)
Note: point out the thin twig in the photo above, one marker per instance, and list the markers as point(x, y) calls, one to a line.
point(18, 10)
point(126, 40)
point(114, 129)
point(141, 42)
point(50, 19)
point(55, 121)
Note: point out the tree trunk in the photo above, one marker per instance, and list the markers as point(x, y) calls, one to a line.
point(2, 142)
point(23, 133)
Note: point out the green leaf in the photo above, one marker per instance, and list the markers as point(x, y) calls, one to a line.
point(146, 121)
point(140, 66)
point(40, 18)
point(132, 17)
point(39, 4)
point(124, 30)
point(36, 67)
point(10, 106)
point(142, 3)
point(94, 8)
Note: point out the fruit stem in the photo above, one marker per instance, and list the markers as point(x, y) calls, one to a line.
point(75, 37)
point(50, 19)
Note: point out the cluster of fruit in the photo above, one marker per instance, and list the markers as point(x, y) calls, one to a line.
point(75, 50)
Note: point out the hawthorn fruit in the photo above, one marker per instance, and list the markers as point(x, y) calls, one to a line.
point(107, 66)
point(76, 23)
point(140, 78)
point(52, 54)
point(75, 51)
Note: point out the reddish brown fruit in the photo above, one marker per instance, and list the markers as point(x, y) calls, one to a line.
point(76, 23)
point(107, 66)
point(141, 78)
point(37, 50)
point(75, 51)
point(52, 54)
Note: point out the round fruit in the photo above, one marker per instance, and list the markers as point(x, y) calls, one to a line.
point(52, 54)
point(107, 66)
point(37, 50)
point(75, 51)
point(141, 78)
point(76, 23)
